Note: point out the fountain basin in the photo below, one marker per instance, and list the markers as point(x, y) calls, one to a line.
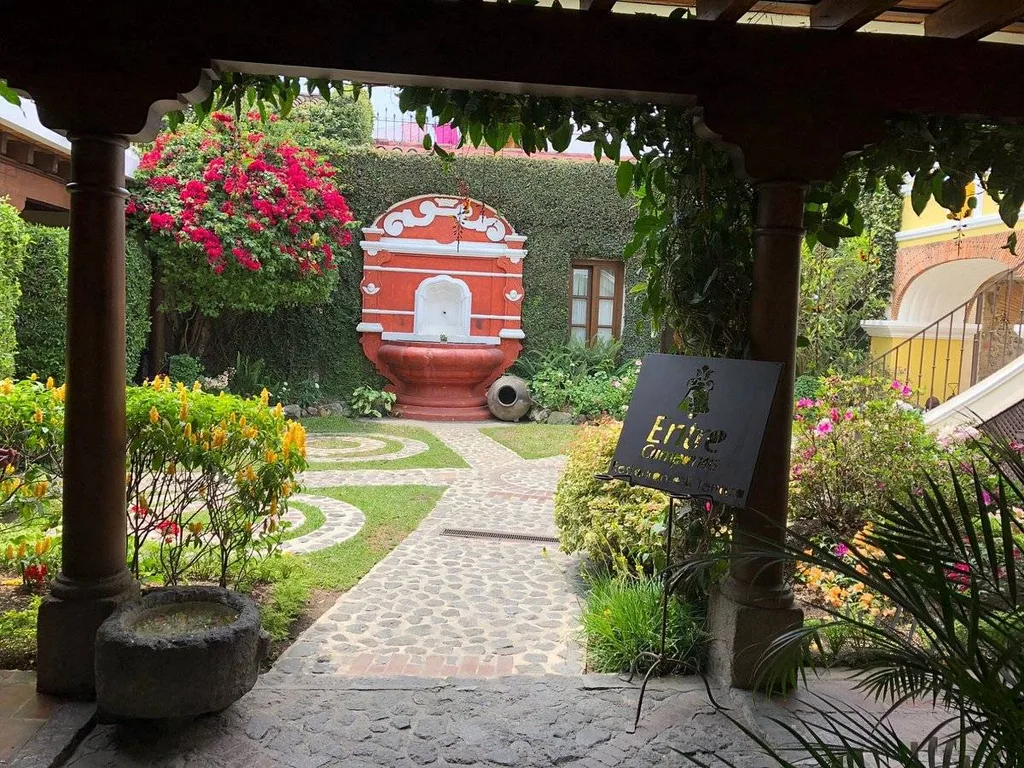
point(443, 382)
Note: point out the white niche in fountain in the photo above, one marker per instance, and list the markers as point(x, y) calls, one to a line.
point(442, 310)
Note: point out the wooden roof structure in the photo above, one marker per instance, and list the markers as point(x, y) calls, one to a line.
point(958, 19)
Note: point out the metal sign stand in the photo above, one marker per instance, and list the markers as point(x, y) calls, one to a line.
point(660, 659)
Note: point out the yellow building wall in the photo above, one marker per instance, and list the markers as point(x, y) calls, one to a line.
point(923, 365)
point(934, 214)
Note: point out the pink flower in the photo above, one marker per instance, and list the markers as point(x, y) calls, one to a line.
point(835, 415)
point(841, 550)
point(849, 415)
point(897, 385)
point(798, 471)
point(804, 402)
point(986, 498)
point(161, 221)
point(824, 427)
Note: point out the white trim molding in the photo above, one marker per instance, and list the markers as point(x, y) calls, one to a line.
point(898, 329)
point(435, 338)
point(459, 272)
point(417, 247)
point(470, 215)
point(495, 317)
point(370, 328)
point(949, 227)
point(511, 333)
point(387, 311)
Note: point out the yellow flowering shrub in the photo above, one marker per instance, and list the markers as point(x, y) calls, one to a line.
point(208, 476)
point(31, 440)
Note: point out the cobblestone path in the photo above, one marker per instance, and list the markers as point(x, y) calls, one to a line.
point(442, 605)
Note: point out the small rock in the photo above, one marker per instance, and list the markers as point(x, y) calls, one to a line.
point(539, 414)
point(292, 412)
point(560, 417)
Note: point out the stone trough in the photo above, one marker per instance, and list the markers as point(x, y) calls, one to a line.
point(178, 652)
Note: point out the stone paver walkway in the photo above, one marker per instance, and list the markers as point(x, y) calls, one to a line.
point(360, 722)
point(440, 605)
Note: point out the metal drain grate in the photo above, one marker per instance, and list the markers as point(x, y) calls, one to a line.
point(467, 533)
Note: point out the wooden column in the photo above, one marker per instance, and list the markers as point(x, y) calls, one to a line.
point(93, 577)
point(778, 237)
point(755, 605)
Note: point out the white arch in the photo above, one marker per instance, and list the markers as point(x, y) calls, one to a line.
point(940, 289)
point(443, 306)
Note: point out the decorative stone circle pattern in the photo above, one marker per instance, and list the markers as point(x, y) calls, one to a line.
point(362, 444)
point(342, 521)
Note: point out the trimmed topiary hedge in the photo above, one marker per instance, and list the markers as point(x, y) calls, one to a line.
point(568, 210)
point(41, 318)
point(12, 255)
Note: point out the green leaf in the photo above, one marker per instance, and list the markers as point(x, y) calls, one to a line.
point(624, 177)
point(802, 341)
point(561, 137)
point(8, 94)
point(921, 191)
point(1009, 209)
point(428, 141)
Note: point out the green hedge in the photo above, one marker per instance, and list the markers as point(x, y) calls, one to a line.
point(12, 255)
point(41, 319)
point(568, 210)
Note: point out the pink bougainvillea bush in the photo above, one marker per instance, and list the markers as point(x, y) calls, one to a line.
point(240, 216)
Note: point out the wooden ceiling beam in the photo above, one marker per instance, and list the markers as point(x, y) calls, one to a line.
point(597, 6)
point(847, 14)
point(972, 19)
point(723, 10)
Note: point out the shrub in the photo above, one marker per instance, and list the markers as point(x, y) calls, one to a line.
point(41, 324)
point(240, 216)
point(247, 378)
point(185, 369)
point(584, 390)
point(807, 387)
point(855, 446)
point(304, 393)
point(31, 438)
point(367, 401)
point(613, 523)
point(208, 477)
point(622, 619)
point(18, 636)
point(13, 240)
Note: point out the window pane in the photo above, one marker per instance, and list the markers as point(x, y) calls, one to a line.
point(580, 282)
point(579, 312)
point(605, 311)
point(607, 282)
point(578, 334)
point(604, 334)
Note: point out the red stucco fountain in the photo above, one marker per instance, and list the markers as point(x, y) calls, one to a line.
point(442, 297)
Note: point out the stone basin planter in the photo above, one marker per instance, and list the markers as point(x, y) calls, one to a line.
point(178, 652)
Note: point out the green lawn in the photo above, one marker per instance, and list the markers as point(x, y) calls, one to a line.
point(392, 513)
point(314, 519)
point(439, 455)
point(534, 441)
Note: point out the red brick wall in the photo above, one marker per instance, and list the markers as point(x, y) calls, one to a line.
point(912, 261)
point(21, 183)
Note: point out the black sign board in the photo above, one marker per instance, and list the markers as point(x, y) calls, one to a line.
point(695, 424)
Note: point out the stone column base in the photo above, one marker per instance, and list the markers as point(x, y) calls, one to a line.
point(741, 635)
point(66, 664)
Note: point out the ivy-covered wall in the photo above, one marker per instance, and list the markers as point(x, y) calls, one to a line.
point(568, 210)
point(41, 319)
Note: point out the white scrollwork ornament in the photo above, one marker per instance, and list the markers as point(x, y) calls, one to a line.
point(371, 289)
point(513, 295)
